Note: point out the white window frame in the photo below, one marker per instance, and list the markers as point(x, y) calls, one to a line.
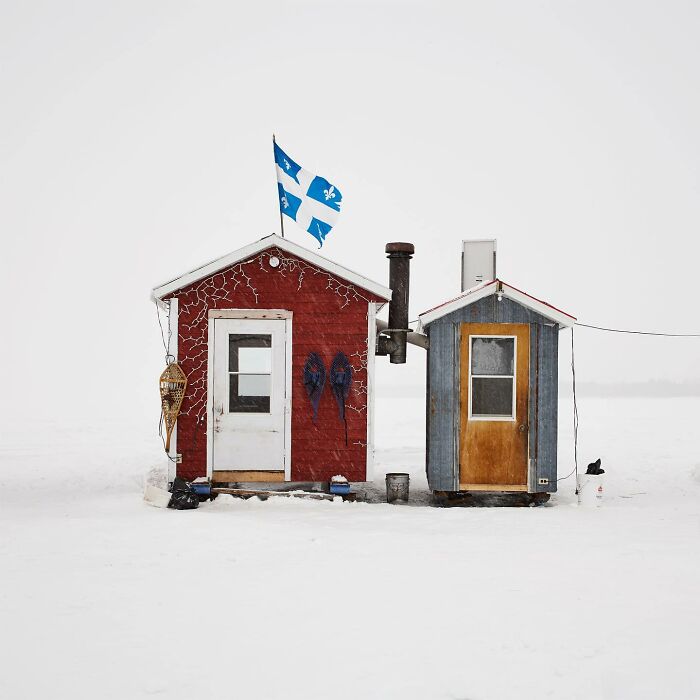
point(512, 417)
point(266, 374)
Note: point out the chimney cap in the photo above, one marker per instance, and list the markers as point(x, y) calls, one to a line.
point(398, 247)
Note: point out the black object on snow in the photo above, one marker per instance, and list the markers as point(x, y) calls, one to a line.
point(314, 380)
point(183, 497)
point(594, 468)
point(341, 379)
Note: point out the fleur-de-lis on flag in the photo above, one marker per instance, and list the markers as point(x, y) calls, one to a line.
point(310, 200)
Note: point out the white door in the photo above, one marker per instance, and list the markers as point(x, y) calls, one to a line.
point(249, 385)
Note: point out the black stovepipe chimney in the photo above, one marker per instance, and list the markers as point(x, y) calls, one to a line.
point(399, 255)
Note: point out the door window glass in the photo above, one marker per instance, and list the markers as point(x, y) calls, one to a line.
point(255, 360)
point(493, 356)
point(254, 384)
point(250, 373)
point(492, 377)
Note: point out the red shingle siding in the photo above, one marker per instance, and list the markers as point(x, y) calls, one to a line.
point(329, 315)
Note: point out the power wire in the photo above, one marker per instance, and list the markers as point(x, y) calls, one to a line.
point(573, 384)
point(166, 345)
point(619, 330)
point(573, 375)
point(160, 434)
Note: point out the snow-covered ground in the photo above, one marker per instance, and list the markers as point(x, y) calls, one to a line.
point(102, 596)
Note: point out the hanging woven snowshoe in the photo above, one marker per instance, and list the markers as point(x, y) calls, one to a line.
point(314, 381)
point(341, 379)
point(173, 383)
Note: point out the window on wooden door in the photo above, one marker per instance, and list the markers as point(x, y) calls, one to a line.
point(249, 373)
point(492, 377)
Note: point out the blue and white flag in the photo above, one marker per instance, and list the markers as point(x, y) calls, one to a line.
point(307, 198)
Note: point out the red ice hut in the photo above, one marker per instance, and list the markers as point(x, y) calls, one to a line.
point(278, 346)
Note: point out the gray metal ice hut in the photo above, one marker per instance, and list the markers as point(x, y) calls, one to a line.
point(492, 385)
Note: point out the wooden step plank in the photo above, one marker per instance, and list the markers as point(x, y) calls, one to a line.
point(240, 475)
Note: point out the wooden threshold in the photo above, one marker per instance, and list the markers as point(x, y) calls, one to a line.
point(240, 475)
point(493, 487)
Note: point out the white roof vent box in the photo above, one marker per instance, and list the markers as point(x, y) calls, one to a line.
point(478, 262)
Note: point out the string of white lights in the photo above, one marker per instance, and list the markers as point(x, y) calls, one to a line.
point(218, 291)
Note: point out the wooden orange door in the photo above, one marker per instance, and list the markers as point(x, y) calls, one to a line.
point(494, 381)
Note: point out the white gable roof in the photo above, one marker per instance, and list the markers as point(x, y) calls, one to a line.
point(253, 249)
point(495, 287)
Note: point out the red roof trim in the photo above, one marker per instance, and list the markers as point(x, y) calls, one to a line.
point(465, 294)
point(551, 306)
point(497, 281)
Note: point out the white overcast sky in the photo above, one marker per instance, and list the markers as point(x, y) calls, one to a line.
point(135, 144)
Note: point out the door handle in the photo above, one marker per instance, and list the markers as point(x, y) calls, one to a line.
point(218, 413)
point(522, 428)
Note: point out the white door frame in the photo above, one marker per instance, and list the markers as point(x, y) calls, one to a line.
point(372, 309)
point(251, 314)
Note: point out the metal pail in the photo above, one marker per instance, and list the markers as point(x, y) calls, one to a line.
point(397, 488)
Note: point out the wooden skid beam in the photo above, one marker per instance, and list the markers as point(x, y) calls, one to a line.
point(246, 493)
point(486, 499)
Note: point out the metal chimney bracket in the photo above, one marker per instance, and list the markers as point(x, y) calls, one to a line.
point(384, 346)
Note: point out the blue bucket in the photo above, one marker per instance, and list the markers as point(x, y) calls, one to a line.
point(201, 489)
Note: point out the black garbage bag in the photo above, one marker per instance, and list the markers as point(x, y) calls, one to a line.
point(594, 468)
point(183, 497)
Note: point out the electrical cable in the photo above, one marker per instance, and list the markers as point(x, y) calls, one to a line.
point(573, 375)
point(619, 330)
point(166, 346)
point(573, 383)
point(160, 434)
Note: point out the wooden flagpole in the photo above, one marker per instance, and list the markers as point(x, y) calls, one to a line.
point(278, 202)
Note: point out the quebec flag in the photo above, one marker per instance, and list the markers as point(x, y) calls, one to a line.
point(308, 199)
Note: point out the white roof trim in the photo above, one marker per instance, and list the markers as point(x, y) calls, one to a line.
point(253, 249)
point(493, 287)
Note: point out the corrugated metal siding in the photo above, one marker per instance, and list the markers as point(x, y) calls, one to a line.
point(533, 399)
point(443, 407)
point(547, 395)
